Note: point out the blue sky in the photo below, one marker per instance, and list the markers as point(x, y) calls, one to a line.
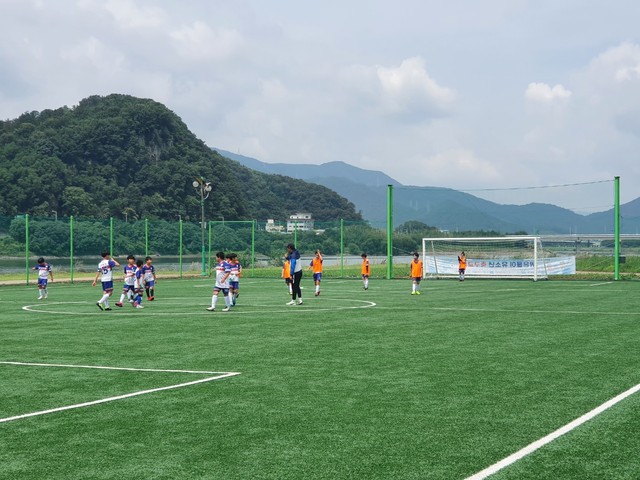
point(462, 94)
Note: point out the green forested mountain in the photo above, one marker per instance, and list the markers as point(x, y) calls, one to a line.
point(120, 155)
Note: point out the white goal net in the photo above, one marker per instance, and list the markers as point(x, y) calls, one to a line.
point(491, 257)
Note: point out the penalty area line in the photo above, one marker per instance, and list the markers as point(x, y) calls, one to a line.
point(532, 447)
point(118, 397)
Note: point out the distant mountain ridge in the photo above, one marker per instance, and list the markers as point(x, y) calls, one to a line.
point(445, 208)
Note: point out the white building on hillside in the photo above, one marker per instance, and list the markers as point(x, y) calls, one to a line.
point(299, 221)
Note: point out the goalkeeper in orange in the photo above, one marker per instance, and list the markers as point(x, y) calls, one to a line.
point(462, 265)
point(416, 274)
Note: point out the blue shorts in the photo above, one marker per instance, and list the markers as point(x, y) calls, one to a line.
point(225, 291)
point(317, 277)
point(149, 283)
point(128, 288)
point(107, 286)
point(416, 279)
point(234, 285)
point(42, 283)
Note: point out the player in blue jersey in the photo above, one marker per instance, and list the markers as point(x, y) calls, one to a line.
point(223, 270)
point(44, 272)
point(138, 284)
point(295, 269)
point(128, 289)
point(105, 273)
point(149, 272)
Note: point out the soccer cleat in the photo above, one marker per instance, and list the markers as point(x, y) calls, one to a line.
point(108, 308)
point(226, 309)
point(40, 298)
point(418, 292)
point(139, 306)
point(151, 298)
point(413, 293)
point(292, 302)
point(100, 306)
point(300, 302)
point(211, 309)
point(135, 304)
point(46, 295)
point(118, 304)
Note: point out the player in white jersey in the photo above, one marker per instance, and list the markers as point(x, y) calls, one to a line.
point(44, 271)
point(234, 277)
point(223, 270)
point(105, 273)
point(139, 284)
point(128, 289)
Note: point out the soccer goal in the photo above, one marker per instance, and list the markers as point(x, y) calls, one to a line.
point(487, 257)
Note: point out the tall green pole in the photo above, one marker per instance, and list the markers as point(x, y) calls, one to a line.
point(26, 244)
point(342, 248)
point(180, 252)
point(71, 248)
point(616, 229)
point(389, 232)
point(146, 237)
point(253, 246)
point(111, 236)
point(204, 271)
point(209, 262)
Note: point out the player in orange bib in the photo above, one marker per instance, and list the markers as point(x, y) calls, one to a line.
point(416, 274)
point(316, 267)
point(365, 271)
point(286, 274)
point(462, 265)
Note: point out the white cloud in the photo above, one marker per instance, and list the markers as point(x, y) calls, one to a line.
point(405, 91)
point(542, 92)
point(199, 41)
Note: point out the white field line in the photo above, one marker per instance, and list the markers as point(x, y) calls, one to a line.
point(119, 397)
point(598, 284)
point(546, 312)
point(532, 447)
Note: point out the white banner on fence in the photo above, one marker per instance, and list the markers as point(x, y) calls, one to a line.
point(503, 267)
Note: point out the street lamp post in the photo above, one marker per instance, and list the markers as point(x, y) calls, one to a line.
point(205, 189)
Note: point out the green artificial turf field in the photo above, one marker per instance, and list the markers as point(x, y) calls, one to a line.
point(375, 384)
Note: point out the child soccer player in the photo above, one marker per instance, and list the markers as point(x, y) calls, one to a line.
point(223, 270)
point(286, 274)
point(149, 272)
point(138, 285)
point(234, 277)
point(416, 274)
point(44, 271)
point(105, 269)
point(316, 267)
point(365, 271)
point(462, 265)
point(129, 280)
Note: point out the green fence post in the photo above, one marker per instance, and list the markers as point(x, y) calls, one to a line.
point(389, 232)
point(111, 236)
point(342, 248)
point(209, 258)
point(253, 245)
point(26, 244)
point(71, 248)
point(180, 252)
point(616, 229)
point(146, 237)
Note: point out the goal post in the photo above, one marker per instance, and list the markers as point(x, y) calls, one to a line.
point(487, 257)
